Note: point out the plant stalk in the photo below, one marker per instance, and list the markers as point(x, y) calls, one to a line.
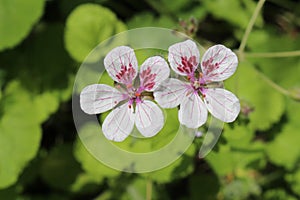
point(272, 54)
point(149, 189)
point(249, 27)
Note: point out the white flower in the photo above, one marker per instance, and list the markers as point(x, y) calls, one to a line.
point(127, 100)
point(196, 96)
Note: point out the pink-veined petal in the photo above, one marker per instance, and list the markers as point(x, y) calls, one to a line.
point(121, 64)
point(99, 98)
point(149, 118)
point(153, 71)
point(119, 123)
point(193, 112)
point(222, 104)
point(218, 63)
point(171, 93)
point(184, 57)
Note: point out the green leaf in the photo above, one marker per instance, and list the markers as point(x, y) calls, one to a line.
point(16, 20)
point(91, 165)
point(2, 80)
point(20, 131)
point(293, 111)
point(277, 194)
point(239, 154)
point(143, 54)
point(263, 41)
point(284, 150)
point(84, 184)
point(54, 166)
point(136, 189)
point(236, 12)
point(240, 189)
point(268, 104)
point(106, 79)
point(294, 180)
point(42, 69)
point(67, 6)
point(182, 167)
point(105, 195)
point(238, 137)
point(87, 26)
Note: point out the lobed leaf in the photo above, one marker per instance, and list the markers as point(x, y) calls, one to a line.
point(87, 26)
point(16, 20)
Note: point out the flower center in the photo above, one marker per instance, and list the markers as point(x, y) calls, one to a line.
point(198, 84)
point(134, 96)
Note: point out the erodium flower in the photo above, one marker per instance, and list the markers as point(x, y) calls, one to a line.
point(198, 93)
point(127, 99)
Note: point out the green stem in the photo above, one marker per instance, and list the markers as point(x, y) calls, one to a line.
point(271, 83)
point(149, 189)
point(272, 54)
point(250, 26)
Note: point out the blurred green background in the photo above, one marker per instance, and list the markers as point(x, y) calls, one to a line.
point(42, 44)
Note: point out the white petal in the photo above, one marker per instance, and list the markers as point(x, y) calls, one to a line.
point(171, 93)
point(119, 123)
point(218, 63)
point(149, 118)
point(193, 112)
point(184, 57)
point(222, 104)
point(121, 64)
point(99, 98)
point(153, 71)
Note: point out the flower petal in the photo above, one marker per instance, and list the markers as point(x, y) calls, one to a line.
point(222, 104)
point(149, 118)
point(171, 93)
point(218, 63)
point(121, 64)
point(119, 123)
point(153, 71)
point(184, 57)
point(193, 112)
point(99, 98)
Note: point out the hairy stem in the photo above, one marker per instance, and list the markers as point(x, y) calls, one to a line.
point(250, 26)
point(272, 83)
point(149, 189)
point(272, 54)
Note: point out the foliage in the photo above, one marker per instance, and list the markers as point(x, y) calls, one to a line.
point(42, 45)
point(17, 19)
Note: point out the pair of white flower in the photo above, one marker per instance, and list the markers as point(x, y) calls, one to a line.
point(195, 95)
